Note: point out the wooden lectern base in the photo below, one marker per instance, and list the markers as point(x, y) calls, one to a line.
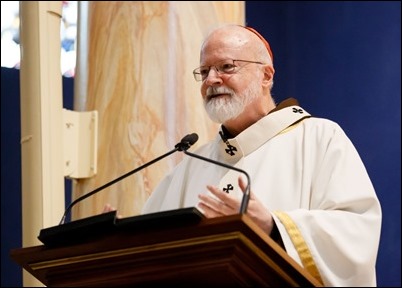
point(228, 251)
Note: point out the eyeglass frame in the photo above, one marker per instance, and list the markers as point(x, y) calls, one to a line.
point(197, 71)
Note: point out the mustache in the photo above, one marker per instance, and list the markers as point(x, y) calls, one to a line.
point(212, 91)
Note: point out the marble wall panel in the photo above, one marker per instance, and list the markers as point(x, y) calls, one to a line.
point(140, 60)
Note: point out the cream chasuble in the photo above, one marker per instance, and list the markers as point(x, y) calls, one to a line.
point(306, 171)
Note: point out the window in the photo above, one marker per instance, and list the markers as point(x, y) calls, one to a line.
point(10, 42)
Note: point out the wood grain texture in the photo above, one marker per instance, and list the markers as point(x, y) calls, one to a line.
point(230, 251)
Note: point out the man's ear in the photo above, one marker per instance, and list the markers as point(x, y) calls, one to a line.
point(269, 72)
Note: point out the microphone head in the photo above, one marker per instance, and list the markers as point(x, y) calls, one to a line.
point(190, 138)
point(187, 142)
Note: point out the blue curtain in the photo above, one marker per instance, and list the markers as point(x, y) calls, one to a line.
point(342, 60)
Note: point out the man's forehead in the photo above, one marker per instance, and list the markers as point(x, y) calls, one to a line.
point(231, 37)
point(214, 54)
point(244, 38)
point(225, 47)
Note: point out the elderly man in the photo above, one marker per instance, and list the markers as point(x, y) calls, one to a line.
point(310, 190)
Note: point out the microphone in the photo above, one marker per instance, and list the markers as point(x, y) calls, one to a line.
point(246, 195)
point(185, 143)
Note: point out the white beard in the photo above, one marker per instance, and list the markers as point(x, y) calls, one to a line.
point(222, 109)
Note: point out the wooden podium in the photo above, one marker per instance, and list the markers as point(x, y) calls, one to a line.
point(162, 249)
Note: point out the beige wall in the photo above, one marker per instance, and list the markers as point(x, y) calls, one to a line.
point(140, 60)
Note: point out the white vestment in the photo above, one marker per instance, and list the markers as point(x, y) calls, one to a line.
point(307, 172)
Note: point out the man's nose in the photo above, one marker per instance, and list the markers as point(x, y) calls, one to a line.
point(213, 76)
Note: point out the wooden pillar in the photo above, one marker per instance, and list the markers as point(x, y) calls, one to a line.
point(41, 121)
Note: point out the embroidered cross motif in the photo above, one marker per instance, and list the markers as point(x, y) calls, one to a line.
point(228, 187)
point(295, 110)
point(231, 149)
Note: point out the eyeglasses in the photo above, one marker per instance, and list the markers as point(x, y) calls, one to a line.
point(224, 67)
